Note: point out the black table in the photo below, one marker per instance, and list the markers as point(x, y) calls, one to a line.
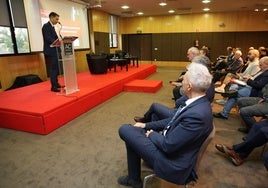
point(120, 62)
point(133, 59)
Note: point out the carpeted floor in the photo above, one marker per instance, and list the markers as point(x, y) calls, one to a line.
point(88, 153)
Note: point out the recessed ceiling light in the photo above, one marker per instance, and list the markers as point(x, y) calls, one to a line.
point(124, 7)
point(163, 4)
point(171, 11)
point(140, 13)
point(265, 9)
point(256, 10)
point(206, 1)
point(206, 9)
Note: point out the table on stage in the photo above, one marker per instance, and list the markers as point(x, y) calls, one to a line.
point(133, 59)
point(120, 62)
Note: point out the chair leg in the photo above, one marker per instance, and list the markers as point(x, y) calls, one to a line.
point(146, 178)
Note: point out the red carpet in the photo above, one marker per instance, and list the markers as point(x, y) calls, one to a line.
point(36, 109)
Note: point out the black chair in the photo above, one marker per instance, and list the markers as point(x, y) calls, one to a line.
point(97, 64)
point(120, 54)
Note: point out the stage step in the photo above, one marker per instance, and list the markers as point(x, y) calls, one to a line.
point(150, 86)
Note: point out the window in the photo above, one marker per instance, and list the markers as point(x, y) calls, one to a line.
point(13, 28)
point(113, 32)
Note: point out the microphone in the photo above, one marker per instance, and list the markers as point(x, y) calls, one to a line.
point(60, 29)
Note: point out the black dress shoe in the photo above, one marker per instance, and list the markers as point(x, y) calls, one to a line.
point(243, 130)
point(60, 86)
point(55, 89)
point(219, 115)
point(125, 180)
point(139, 119)
point(230, 94)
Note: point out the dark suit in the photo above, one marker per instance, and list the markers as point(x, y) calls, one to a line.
point(257, 84)
point(173, 156)
point(257, 136)
point(234, 66)
point(51, 55)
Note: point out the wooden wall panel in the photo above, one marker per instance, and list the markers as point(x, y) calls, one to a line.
point(146, 47)
point(101, 42)
point(208, 22)
point(173, 46)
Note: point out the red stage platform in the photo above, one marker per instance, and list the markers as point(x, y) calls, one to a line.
point(149, 86)
point(36, 109)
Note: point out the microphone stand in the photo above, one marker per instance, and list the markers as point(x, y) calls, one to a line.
point(62, 90)
point(60, 29)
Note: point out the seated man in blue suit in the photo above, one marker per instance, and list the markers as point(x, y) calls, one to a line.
point(257, 136)
point(170, 146)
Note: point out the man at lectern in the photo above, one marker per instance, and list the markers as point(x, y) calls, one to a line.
point(52, 49)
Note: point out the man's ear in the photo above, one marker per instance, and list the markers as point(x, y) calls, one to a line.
point(189, 86)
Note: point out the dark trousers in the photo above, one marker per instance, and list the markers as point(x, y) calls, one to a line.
point(255, 138)
point(157, 112)
point(266, 160)
point(217, 76)
point(53, 65)
point(138, 147)
point(250, 107)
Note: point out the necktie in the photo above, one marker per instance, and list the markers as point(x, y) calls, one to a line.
point(173, 118)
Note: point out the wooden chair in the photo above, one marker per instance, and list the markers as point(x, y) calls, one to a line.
point(203, 148)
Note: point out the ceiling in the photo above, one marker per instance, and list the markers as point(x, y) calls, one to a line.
point(152, 7)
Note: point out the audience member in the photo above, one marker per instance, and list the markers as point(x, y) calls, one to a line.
point(173, 153)
point(158, 111)
point(252, 68)
point(263, 51)
point(254, 85)
point(196, 43)
point(177, 91)
point(234, 65)
point(204, 51)
point(257, 136)
point(253, 106)
point(222, 60)
point(191, 54)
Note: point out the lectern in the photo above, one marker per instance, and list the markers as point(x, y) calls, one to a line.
point(66, 57)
